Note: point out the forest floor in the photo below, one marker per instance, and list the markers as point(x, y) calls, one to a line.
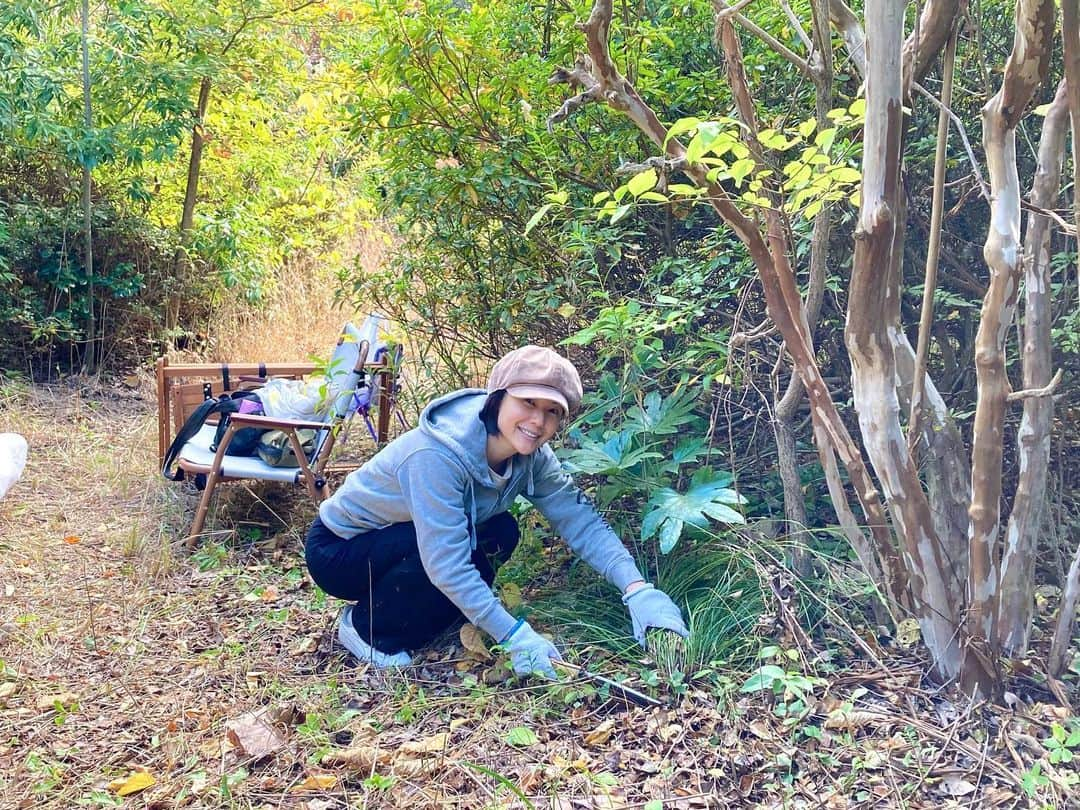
point(135, 674)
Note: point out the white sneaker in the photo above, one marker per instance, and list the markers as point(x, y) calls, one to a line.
point(363, 651)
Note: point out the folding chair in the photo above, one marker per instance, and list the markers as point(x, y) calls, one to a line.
point(350, 379)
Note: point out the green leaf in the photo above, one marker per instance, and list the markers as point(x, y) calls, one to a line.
point(670, 533)
point(685, 189)
point(741, 168)
point(771, 139)
point(521, 737)
point(858, 108)
point(620, 212)
point(846, 174)
point(653, 196)
point(764, 678)
point(600, 196)
point(679, 127)
point(535, 218)
point(824, 139)
point(558, 197)
point(807, 127)
point(642, 182)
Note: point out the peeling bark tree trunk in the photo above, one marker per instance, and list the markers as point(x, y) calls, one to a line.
point(1021, 537)
point(1059, 645)
point(1024, 72)
point(944, 466)
point(181, 262)
point(926, 41)
point(599, 80)
point(872, 327)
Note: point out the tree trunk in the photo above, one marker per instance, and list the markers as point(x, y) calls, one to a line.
point(89, 358)
point(181, 262)
point(1021, 536)
point(1070, 596)
point(872, 325)
point(924, 43)
point(1024, 72)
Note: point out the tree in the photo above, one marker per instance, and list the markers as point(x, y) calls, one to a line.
point(965, 627)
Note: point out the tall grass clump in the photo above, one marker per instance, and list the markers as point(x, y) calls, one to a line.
point(714, 581)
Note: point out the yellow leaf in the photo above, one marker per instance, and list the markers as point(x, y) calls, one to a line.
point(140, 780)
point(600, 734)
point(907, 633)
point(316, 781)
point(566, 310)
point(511, 593)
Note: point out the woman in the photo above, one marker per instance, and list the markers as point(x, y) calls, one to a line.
point(414, 536)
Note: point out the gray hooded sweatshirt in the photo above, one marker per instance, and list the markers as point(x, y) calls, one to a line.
point(437, 476)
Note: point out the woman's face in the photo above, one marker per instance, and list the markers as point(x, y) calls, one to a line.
point(528, 424)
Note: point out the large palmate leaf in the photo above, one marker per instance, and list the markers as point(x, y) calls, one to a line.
point(663, 415)
point(670, 511)
point(604, 458)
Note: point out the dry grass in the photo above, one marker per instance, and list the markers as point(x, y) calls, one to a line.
point(122, 655)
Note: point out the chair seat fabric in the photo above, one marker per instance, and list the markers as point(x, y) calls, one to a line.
point(197, 451)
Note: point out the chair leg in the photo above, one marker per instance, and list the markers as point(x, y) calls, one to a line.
point(200, 513)
point(212, 479)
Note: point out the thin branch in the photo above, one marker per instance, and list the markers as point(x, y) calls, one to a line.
point(1067, 228)
point(985, 189)
point(1045, 391)
point(723, 9)
point(735, 9)
point(933, 250)
point(797, 25)
point(661, 164)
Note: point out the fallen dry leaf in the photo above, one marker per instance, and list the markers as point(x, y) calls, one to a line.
point(472, 639)
point(316, 781)
point(72, 539)
point(412, 767)
point(601, 734)
point(253, 735)
point(435, 744)
point(46, 702)
point(361, 757)
point(133, 783)
point(955, 785)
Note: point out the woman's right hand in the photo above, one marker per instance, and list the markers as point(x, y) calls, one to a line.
point(531, 653)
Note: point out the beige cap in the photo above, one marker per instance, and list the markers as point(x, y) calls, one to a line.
point(536, 371)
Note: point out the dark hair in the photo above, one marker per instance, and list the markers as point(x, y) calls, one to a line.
point(489, 414)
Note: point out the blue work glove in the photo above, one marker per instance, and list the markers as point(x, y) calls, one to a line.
point(530, 652)
point(651, 607)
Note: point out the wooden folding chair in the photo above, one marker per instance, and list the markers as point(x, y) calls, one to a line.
point(183, 388)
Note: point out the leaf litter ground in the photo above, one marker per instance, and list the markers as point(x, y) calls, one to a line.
point(136, 675)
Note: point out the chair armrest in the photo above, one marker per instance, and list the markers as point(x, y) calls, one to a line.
point(272, 423)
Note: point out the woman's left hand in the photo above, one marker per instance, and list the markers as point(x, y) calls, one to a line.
point(651, 607)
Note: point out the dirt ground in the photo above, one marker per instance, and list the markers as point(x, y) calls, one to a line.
point(135, 674)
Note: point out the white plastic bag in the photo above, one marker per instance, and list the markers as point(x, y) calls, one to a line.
point(13, 450)
point(296, 399)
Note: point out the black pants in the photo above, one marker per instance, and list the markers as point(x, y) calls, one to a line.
point(397, 606)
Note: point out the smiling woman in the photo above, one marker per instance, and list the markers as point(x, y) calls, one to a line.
point(414, 536)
